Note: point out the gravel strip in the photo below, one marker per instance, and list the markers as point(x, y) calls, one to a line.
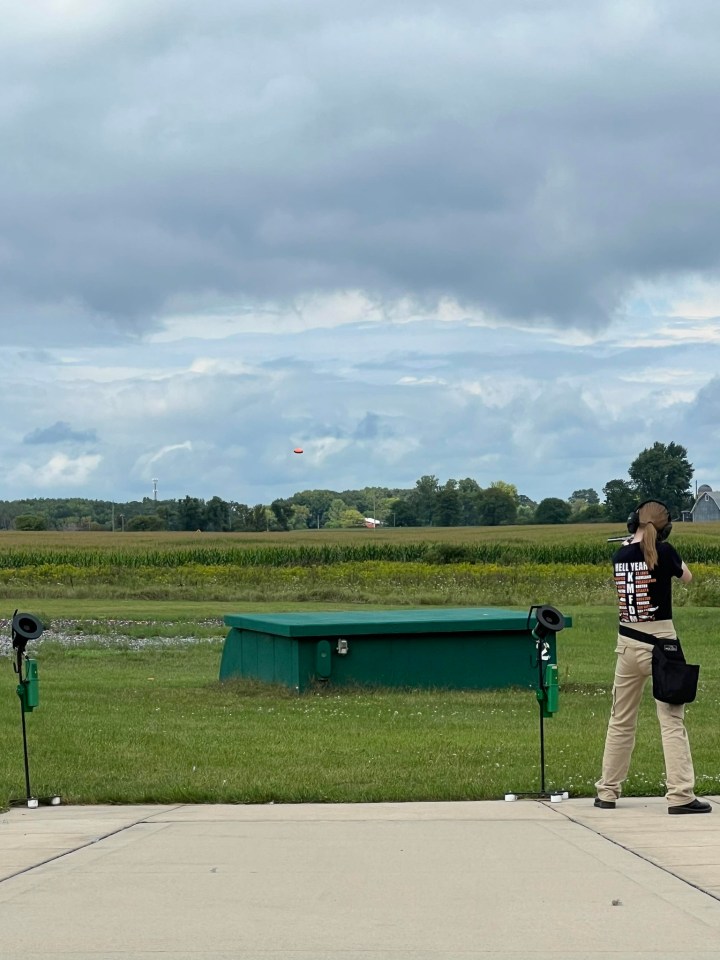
point(65, 633)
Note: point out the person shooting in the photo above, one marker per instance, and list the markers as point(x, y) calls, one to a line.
point(644, 568)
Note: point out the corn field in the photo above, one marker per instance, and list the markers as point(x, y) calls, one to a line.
point(503, 549)
point(470, 566)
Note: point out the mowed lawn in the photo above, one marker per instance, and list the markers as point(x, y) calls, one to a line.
point(131, 708)
point(135, 713)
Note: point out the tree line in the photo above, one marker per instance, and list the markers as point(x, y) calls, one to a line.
point(661, 471)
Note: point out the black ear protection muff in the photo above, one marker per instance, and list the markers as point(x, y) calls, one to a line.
point(633, 521)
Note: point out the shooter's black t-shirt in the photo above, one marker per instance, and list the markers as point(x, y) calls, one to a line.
point(645, 595)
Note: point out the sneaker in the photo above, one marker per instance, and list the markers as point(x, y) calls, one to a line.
point(695, 806)
point(604, 804)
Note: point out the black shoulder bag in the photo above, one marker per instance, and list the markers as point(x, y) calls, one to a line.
point(674, 680)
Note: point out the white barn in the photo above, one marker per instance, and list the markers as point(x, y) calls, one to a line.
point(706, 506)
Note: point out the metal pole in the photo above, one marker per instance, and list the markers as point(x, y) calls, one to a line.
point(541, 687)
point(542, 751)
point(24, 728)
point(28, 794)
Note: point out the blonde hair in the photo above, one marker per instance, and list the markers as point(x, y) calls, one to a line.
point(653, 516)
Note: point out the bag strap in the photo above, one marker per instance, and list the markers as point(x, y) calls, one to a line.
point(626, 631)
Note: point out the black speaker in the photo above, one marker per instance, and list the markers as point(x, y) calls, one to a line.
point(549, 620)
point(633, 521)
point(25, 627)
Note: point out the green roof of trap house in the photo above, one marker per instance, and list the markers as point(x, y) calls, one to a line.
point(359, 622)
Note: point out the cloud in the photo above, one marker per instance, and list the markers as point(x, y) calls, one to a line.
point(60, 432)
point(469, 239)
point(525, 162)
point(370, 405)
point(59, 473)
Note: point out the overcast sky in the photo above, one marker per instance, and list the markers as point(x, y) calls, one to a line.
point(476, 238)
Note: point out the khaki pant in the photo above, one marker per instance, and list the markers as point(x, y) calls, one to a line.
point(633, 668)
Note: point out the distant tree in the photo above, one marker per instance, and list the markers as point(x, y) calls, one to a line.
point(166, 511)
point(190, 513)
point(336, 510)
point(299, 517)
point(447, 512)
point(145, 522)
point(526, 509)
point(509, 488)
point(241, 517)
point(370, 501)
point(351, 518)
point(317, 501)
point(619, 500)
point(30, 521)
point(383, 509)
point(216, 515)
point(405, 514)
point(525, 514)
point(283, 511)
point(469, 494)
point(257, 519)
point(588, 512)
point(552, 510)
point(497, 505)
point(424, 498)
point(663, 471)
point(588, 496)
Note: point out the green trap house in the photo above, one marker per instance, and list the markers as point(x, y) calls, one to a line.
point(471, 648)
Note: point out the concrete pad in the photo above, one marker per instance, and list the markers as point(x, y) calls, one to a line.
point(460, 810)
point(372, 881)
point(31, 837)
point(686, 846)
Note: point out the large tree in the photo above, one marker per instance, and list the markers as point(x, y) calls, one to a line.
point(30, 521)
point(405, 514)
point(424, 498)
point(509, 488)
point(318, 503)
point(283, 511)
point(552, 510)
point(335, 512)
point(448, 509)
point(216, 515)
point(587, 495)
point(663, 472)
point(497, 505)
point(147, 521)
point(470, 494)
point(619, 500)
point(190, 513)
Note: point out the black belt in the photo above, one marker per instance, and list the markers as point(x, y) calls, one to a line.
point(650, 638)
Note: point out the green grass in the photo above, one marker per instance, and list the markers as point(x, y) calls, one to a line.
point(131, 708)
point(124, 725)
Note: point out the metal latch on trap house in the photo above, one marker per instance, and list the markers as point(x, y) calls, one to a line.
point(323, 656)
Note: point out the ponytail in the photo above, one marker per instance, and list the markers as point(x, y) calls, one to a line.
point(653, 516)
point(648, 545)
